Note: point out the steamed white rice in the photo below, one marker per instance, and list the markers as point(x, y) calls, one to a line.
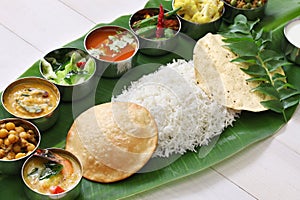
point(185, 116)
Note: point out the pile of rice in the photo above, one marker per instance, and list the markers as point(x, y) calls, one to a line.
point(185, 116)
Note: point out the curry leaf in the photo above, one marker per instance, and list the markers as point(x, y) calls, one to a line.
point(268, 55)
point(265, 64)
point(274, 105)
point(255, 70)
point(244, 48)
point(273, 65)
point(245, 59)
point(267, 89)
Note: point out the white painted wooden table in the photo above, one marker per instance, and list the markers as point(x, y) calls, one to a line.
point(268, 170)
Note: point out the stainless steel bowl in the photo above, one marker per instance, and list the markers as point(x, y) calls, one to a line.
point(154, 47)
point(106, 68)
point(70, 194)
point(12, 167)
point(291, 41)
point(43, 121)
point(70, 92)
point(252, 14)
point(196, 30)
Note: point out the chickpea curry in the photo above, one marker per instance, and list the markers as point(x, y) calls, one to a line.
point(16, 141)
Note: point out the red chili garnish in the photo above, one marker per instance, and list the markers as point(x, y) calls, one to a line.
point(80, 64)
point(56, 189)
point(160, 23)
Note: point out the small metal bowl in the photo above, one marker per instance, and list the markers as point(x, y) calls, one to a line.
point(110, 66)
point(12, 167)
point(71, 193)
point(252, 14)
point(291, 41)
point(197, 30)
point(43, 119)
point(154, 47)
point(69, 92)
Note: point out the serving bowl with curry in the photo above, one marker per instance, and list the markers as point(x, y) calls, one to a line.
point(33, 99)
point(19, 138)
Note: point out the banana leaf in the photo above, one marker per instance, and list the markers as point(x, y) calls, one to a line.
point(248, 129)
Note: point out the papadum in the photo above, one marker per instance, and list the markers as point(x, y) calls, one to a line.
point(222, 79)
point(113, 140)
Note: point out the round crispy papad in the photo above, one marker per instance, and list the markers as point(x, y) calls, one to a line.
point(222, 79)
point(113, 140)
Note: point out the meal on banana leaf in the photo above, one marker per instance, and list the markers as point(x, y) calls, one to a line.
point(182, 105)
point(51, 172)
point(113, 140)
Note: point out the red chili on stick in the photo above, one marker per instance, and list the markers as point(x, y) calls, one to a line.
point(160, 23)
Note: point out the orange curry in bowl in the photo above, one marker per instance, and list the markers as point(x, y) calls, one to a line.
point(111, 44)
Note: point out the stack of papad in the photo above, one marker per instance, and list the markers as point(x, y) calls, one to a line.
point(113, 140)
point(222, 79)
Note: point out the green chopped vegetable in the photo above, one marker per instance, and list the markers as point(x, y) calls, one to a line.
point(73, 69)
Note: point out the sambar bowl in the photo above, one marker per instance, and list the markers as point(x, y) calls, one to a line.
point(19, 138)
point(291, 41)
point(114, 49)
point(72, 70)
point(253, 10)
point(155, 42)
point(34, 99)
point(52, 173)
point(197, 22)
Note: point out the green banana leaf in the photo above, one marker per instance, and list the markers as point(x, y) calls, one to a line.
point(248, 129)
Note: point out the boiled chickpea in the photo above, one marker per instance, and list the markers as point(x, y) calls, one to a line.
point(3, 133)
point(30, 147)
point(6, 142)
point(12, 138)
point(24, 135)
point(17, 148)
point(2, 153)
point(24, 142)
point(31, 132)
point(10, 126)
point(19, 129)
point(13, 132)
point(20, 155)
point(1, 142)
